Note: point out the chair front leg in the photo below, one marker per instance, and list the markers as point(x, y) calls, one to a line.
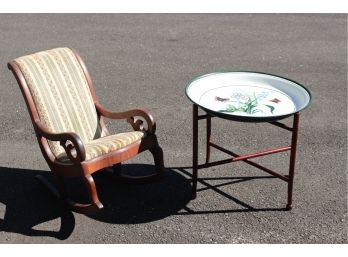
point(58, 190)
point(92, 191)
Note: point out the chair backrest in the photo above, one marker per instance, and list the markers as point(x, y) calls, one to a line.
point(61, 94)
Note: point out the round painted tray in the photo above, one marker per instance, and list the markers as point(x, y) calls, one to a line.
point(248, 96)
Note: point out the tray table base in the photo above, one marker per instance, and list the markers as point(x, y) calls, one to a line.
point(235, 157)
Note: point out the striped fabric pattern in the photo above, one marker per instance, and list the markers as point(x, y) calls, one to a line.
point(61, 94)
point(106, 144)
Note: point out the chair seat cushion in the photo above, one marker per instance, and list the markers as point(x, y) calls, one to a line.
point(107, 144)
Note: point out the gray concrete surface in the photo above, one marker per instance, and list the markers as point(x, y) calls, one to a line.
point(145, 61)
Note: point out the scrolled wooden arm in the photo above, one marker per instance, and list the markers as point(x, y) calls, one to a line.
point(130, 115)
point(74, 150)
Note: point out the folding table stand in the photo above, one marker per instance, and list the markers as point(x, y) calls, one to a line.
point(246, 158)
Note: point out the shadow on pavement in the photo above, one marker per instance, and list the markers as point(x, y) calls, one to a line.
point(26, 204)
point(216, 188)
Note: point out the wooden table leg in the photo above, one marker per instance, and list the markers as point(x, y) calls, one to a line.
point(195, 150)
point(207, 155)
point(292, 159)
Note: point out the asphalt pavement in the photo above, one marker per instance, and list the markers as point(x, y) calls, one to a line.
point(145, 60)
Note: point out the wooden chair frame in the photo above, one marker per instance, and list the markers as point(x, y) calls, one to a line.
point(75, 150)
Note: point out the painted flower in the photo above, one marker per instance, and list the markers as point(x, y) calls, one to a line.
point(240, 97)
point(262, 95)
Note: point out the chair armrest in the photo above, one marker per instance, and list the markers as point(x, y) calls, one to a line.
point(130, 115)
point(75, 150)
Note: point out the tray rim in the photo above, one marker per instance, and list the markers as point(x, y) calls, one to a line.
point(246, 118)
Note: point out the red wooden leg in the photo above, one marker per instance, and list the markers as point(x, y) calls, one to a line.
point(195, 150)
point(208, 139)
point(292, 159)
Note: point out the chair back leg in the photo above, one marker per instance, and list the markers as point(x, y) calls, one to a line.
point(157, 154)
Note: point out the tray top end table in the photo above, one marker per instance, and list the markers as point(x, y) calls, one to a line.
point(246, 97)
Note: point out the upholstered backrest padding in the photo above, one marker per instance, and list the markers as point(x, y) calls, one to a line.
point(61, 94)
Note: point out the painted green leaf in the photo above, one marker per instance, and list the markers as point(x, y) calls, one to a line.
point(271, 108)
point(231, 108)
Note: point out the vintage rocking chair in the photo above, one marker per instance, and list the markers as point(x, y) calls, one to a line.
point(68, 121)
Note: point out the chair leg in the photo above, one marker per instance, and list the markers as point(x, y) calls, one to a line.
point(60, 194)
point(92, 192)
point(157, 154)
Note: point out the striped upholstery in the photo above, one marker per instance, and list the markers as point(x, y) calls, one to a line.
point(61, 94)
point(106, 144)
point(64, 102)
